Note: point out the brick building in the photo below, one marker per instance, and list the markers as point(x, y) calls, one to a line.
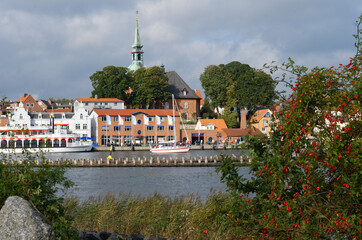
point(140, 126)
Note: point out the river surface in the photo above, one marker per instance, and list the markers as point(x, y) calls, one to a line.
point(144, 181)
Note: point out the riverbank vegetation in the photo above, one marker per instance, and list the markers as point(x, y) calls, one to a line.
point(182, 217)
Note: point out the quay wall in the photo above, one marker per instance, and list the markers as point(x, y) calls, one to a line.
point(159, 161)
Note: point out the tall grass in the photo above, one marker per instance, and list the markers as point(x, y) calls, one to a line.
point(181, 217)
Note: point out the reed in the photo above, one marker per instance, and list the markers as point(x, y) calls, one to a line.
point(180, 217)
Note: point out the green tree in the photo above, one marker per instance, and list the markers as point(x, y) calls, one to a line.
point(112, 82)
point(150, 86)
point(206, 111)
point(230, 118)
point(38, 184)
point(215, 81)
point(250, 87)
point(306, 180)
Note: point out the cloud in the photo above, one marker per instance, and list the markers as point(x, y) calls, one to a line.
point(50, 48)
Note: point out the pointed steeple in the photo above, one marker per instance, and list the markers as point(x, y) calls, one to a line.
point(137, 53)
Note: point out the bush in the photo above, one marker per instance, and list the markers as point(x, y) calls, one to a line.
point(38, 185)
point(307, 175)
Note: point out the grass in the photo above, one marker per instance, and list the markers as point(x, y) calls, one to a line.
point(181, 217)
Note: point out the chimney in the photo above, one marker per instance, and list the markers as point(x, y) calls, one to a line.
point(242, 118)
point(25, 94)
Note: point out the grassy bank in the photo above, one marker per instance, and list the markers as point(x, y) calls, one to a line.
point(185, 217)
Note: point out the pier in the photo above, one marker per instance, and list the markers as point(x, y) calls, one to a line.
point(159, 161)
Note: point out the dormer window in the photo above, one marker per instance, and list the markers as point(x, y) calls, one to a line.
point(184, 91)
point(81, 116)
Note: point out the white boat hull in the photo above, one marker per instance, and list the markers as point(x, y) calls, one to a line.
point(170, 150)
point(76, 148)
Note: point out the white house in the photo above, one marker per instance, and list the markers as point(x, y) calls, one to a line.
point(104, 103)
point(77, 122)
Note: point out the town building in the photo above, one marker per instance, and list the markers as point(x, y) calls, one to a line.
point(262, 120)
point(29, 103)
point(77, 122)
point(98, 103)
point(137, 126)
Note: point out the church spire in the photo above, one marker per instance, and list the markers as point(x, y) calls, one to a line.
point(137, 53)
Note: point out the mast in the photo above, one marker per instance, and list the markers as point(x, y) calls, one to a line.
point(173, 119)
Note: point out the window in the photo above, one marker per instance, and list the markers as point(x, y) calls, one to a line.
point(139, 121)
point(186, 105)
point(27, 104)
point(267, 114)
point(95, 104)
point(265, 123)
point(127, 139)
point(150, 119)
point(127, 118)
point(263, 130)
point(105, 128)
point(32, 105)
point(128, 128)
point(162, 119)
point(170, 128)
point(105, 103)
point(86, 104)
point(170, 138)
point(105, 140)
point(104, 118)
point(115, 104)
point(81, 116)
point(117, 128)
point(77, 126)
point(116, 118)
point(150, 139)
point(167, 105)
point(84, 126)
point(160, 128)
point(21, 116)
point(230, 139)
point(149, 128)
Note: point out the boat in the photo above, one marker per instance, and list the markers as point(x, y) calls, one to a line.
point(45, 139)
point(170, 146)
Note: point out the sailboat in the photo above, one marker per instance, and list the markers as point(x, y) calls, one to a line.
point(170, 146)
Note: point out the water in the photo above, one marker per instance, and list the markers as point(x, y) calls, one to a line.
point(144, 181)
point(136, 154)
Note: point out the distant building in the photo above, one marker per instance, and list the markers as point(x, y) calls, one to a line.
point(140, 126)
point(137, 52)
point(29, 103)
point(262, 120)
point(98, 103)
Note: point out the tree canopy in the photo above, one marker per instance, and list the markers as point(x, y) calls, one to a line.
point(112, 82)
point(238, 85)
point(141, 88)
point(215, 81)
point(150, 86)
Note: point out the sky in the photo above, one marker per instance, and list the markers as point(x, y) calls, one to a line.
point(50, 48)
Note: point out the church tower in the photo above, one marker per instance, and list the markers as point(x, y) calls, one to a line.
point(137, 53)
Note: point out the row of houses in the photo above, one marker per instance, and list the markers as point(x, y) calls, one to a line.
point(107, 120)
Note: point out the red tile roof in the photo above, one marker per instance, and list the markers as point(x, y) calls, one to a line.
point(58, 110)
point(198, 93)
point(99, 100)
point(219, 123)
point(258, 115)
point(128, 112)
point(235, 132)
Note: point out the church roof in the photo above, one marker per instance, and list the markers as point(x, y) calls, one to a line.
point(178, 86)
